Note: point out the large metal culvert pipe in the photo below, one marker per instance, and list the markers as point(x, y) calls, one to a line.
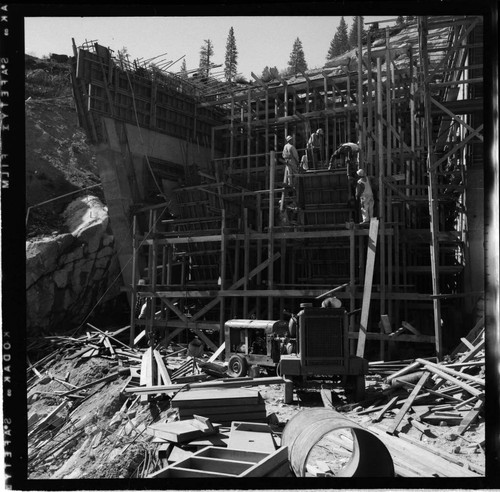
point(370, 457)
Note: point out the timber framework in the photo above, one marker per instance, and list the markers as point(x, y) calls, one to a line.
point(193, 178)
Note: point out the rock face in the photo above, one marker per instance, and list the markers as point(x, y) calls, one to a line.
point(68, 274)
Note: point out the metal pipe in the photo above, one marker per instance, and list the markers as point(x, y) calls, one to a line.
point(370, 457)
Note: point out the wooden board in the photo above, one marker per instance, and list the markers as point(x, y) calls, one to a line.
point(231, 413)
point(220, 462)
point(213, 398)
point(399, 417)
point(162, 370)
point(219, 439)
point(252, 436)
point(367, 291)
point(178, 431)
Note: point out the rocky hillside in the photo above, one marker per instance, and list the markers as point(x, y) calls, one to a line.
point(58, 159)
point(71, 269)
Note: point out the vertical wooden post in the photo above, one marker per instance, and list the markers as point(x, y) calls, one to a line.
point(231, 136)
point(360, 92)
point(352, 280)
point(432, 184)
point(249, 131)
point(133, 300)
point(325, 107)
point(246, 267)
point(369, 129)
point(367, 291)
point(381, 186)
point(259, 251)
point(222, 303)
point(270, 245)
point(283, 273)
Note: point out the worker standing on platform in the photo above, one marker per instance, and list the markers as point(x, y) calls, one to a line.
point(315, 148)
point(365, 194)
point(291, 157)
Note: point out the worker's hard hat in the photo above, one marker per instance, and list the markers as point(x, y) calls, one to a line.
point(319, 130)
point(361, 173)
point(289, 138)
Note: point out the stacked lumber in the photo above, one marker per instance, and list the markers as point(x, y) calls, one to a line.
point(221, 405)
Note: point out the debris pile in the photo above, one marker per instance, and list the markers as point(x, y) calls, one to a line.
point(98, 408)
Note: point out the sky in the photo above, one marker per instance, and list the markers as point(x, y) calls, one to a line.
point(260, 40)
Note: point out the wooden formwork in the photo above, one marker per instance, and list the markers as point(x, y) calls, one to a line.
point(242, 245)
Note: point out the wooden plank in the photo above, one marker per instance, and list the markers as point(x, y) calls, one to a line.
point(444, 375)
point(386, 408)
point(370, 266)
point(227, 414)
point(105, 379)
point(162, 370)
point(410, 328)
point(472, 353)
point(406, 453)
point(216, 398)
point(454, 373)
point(223, 383)
point(139, 337)
point(248, 456)
point(406, 370)
point(109, 336)
point(146, 376)
point(179, 431)
point(470, 417)
point(467, 343)
point(178, 454)
point(216, 354)
point(399, 417)
point(252, 436)
point(267, 465)
point(219, 440)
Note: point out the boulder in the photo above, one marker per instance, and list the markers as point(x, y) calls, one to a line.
point(67, 275)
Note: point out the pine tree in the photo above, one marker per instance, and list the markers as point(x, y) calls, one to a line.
point(340, 42)
point(230, 67)
point(353, 33)
point(297, 62)
point(269, 73)
point(206, 53)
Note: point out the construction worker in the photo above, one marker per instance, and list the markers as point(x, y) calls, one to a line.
point(291, 157)
point(365, 195)
point(348, 152)
point(315, 148)
point(304, 165)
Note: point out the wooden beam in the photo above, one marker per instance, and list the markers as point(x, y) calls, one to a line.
point(370, 266)
point(392, 429)
point(221, 383)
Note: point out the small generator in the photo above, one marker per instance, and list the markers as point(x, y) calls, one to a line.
point(314, 344)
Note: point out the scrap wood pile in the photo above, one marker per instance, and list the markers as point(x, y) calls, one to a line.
point(86, 418)
point(430, 406)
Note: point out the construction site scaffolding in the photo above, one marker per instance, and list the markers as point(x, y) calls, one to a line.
point(240, 245)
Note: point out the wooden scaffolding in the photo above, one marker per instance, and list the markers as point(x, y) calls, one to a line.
point(232, 241)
